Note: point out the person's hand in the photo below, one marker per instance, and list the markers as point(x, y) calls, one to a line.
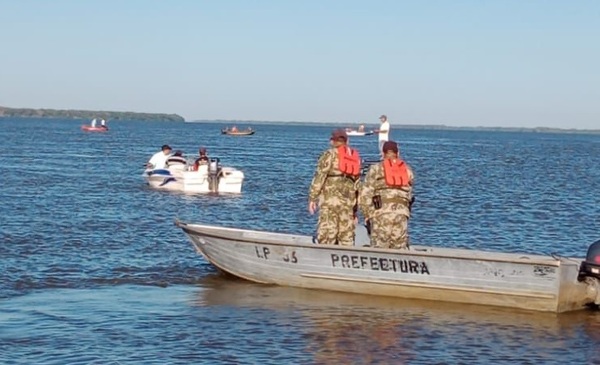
point(355, 220)
point(312, 207)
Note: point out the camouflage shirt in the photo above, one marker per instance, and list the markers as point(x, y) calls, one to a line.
point(329, 188)
point(393, 199)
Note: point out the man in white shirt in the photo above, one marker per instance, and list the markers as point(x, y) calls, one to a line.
point(159, 159)
point(384, 131)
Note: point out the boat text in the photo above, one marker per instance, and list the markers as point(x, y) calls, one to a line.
point(379, 264)
point(264, 252)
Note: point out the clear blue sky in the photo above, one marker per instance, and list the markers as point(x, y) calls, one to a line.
point(461, 63)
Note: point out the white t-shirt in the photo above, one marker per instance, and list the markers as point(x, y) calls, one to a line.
point(384, 131)
point(159, 160)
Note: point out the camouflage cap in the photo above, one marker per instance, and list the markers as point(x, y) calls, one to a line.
point(339, 134)
point(390, 146)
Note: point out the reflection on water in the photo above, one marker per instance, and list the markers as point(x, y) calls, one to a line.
point(225, 321)
point(351, 328)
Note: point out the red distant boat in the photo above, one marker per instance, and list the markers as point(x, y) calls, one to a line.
point(95, 128)
point(236, 132)
point(89, 128)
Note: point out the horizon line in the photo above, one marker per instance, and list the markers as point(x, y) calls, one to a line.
point(404, 125)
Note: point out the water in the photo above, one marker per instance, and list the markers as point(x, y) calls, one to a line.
point(95, 272)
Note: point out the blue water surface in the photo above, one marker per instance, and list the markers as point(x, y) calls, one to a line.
point(94, 270)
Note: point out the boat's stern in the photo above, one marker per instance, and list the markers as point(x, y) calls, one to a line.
point(589, 270)
point(591, 266)
point(231, 180)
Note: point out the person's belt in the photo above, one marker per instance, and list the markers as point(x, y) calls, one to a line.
point(397, 199)
point(350, 177)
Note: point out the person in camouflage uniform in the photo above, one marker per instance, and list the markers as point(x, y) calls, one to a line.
point(335, 195)
point(389, 222)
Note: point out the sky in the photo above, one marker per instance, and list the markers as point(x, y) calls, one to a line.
point(504, 63)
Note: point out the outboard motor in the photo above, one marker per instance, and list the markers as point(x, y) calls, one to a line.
point(214, 174)
point(591, 266)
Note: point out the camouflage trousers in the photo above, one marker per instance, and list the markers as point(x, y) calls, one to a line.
point(389, 230)
point(336, 226)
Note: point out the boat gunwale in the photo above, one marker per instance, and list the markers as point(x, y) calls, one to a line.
point(188, 228)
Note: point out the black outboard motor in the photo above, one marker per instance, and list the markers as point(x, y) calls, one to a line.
point(591, 266)
point(214, 174)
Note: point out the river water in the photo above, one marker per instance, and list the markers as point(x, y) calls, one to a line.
point(95, 272)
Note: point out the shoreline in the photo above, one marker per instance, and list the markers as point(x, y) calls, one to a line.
point(30, 113)
point(78, 115)
point(440, 127)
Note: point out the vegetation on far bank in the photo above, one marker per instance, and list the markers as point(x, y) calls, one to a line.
point(440, 127)
point(87, 114)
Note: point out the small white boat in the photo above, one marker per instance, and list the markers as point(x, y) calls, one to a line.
point(532, 282)
point(354, 133)
point(210, 178)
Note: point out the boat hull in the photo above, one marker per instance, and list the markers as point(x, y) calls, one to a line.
point(358, 134)
point(230, 180)
point(88, 128)
point(530, 282)
point(239, 133)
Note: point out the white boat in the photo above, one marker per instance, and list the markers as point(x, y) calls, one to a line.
point(532, 282)
point(354, 133)
point(210, 178)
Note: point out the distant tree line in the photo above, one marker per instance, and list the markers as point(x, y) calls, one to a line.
point(86, 114)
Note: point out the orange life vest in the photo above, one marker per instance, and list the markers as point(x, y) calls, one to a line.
point(349, 161)
point(395, 173)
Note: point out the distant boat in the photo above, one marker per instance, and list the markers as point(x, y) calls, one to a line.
point(210, 178)
point(92, 127)
point(235, 132)
point(358, 132)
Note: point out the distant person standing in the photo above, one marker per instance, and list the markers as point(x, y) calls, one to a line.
point(334, 190)
point(383, 131)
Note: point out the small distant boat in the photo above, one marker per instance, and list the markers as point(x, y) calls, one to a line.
point(89, 128)
point(211, 178)
point(236, 132)
point(357, 133)
point(92, 127)
point(360, 132)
